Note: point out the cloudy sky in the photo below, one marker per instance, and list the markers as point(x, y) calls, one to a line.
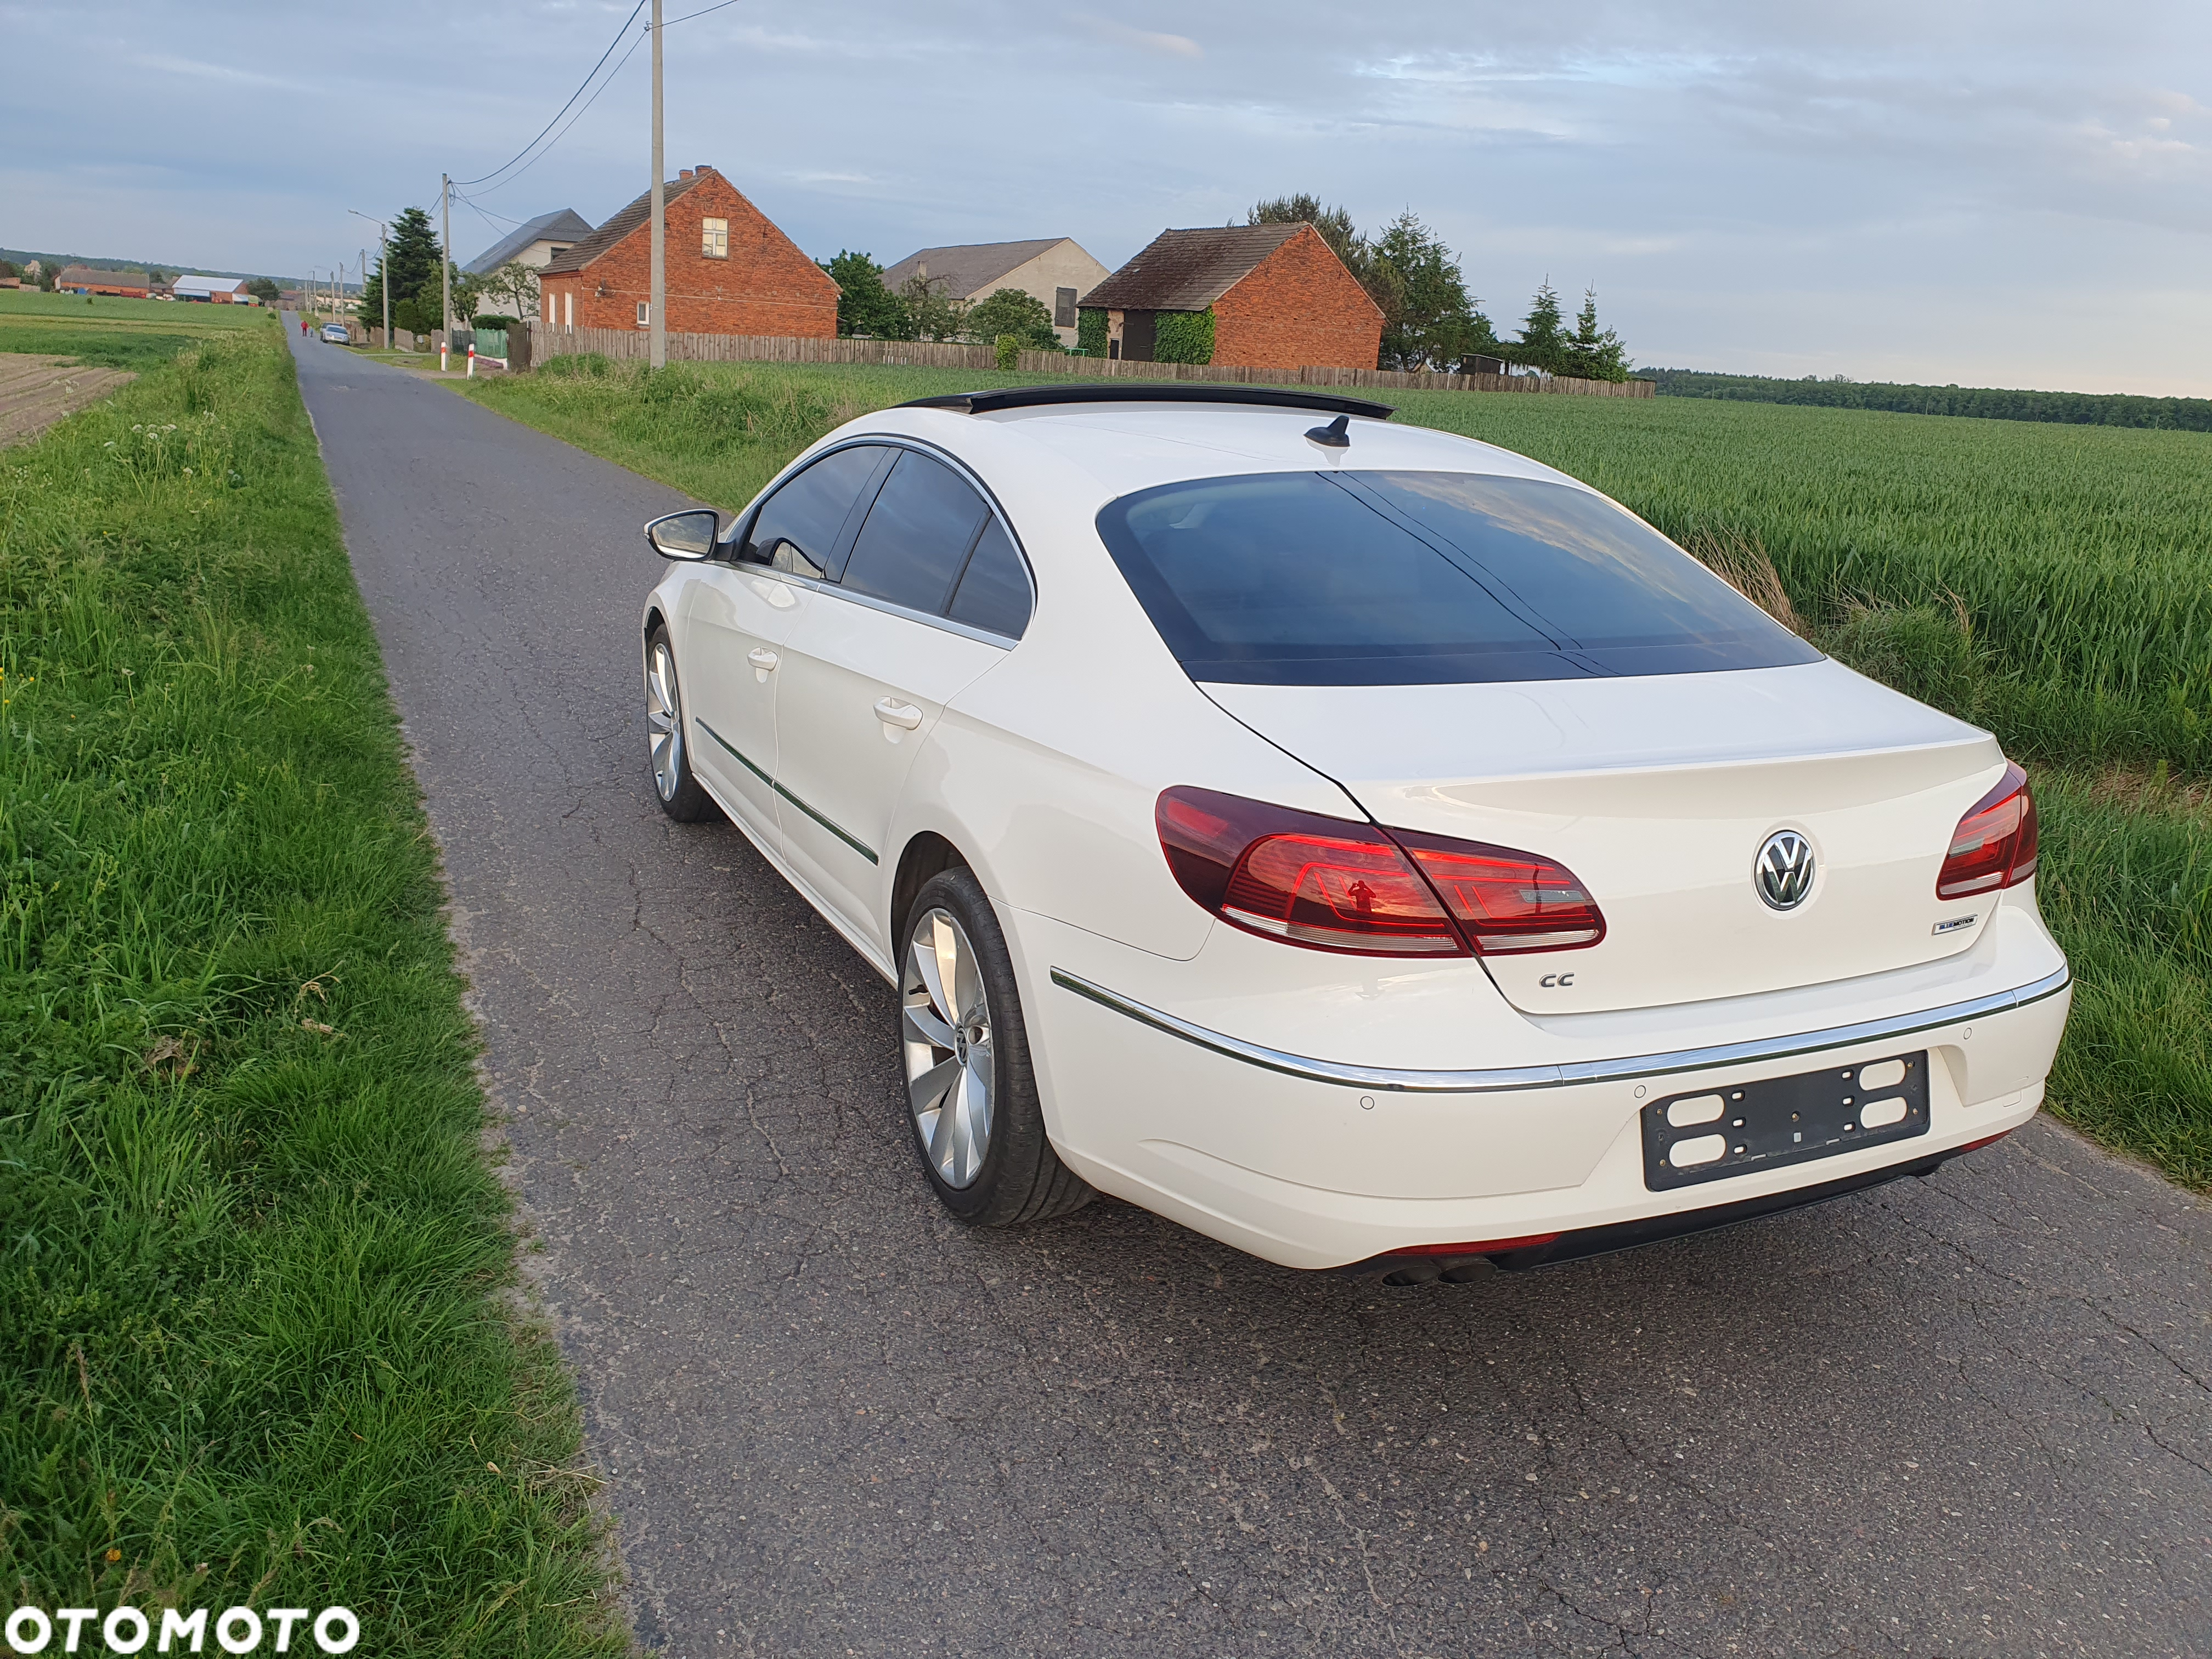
point(2007, 192)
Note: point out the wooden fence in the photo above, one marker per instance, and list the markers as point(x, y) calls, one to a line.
point(630, 344)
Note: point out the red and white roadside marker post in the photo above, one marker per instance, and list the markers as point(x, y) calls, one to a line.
point(472, 360)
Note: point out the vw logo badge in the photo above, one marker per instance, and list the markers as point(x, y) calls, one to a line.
point(1784, 870)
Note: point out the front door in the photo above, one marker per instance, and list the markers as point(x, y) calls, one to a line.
point(1139, 335)
point(734, 621)
point(739, 613)
point(866, 673)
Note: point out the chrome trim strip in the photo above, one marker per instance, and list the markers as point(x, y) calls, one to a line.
point(1504, 1078)
point(745, 761)
point(742, 758)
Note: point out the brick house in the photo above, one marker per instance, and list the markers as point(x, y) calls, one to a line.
point(1259, 297)
point(83, 279)
point(730, 271)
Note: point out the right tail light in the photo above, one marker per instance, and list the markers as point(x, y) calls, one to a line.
point(1994, 845)
point(1336, 885)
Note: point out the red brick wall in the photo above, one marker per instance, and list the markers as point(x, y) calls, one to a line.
point(766, 286)
point(1298, 306)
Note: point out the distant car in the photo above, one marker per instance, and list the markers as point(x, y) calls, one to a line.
point(336, 334)
point(1359, 843)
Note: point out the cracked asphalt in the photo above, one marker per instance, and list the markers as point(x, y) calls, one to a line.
point(1971, 1414)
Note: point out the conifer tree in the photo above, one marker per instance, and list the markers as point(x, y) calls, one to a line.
point(1592, 354)
point(415, 261)
point(1543, 342)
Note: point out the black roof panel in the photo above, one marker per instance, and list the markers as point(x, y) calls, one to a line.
point(1152, 391)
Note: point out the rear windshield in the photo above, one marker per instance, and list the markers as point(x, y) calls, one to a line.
point(1423, 578)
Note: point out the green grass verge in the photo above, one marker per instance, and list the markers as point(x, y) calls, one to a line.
point(102, 331)
point(256, 1339)
point(2048, 583)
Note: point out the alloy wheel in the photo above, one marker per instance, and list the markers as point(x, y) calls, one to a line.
point(946, 1024)
point(664, 721)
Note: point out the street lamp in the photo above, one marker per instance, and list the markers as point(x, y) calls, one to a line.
point(383, 269)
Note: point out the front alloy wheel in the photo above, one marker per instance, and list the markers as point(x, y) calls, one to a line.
point(680, 794)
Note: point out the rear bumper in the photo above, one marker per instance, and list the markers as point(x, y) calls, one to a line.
point(1584, 1242)
point(1316, 1163)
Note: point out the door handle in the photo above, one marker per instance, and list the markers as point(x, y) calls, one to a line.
point(762, 659)
point(891, 712)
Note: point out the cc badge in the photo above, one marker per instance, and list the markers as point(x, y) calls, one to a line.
point(1560, 981)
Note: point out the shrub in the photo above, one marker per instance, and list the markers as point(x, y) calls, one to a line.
point(1091, 331)
point(1182, 337)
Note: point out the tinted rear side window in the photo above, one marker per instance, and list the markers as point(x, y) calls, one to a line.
point(995, 590)
point(798, 527)
point(1423, 578)
point(916, 536)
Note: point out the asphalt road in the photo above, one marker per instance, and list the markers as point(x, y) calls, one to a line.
point(1967, 1415)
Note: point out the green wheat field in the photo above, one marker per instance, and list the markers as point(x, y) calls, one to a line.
point(2052, 584)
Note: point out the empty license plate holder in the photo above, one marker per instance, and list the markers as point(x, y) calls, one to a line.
point(1780, 1121)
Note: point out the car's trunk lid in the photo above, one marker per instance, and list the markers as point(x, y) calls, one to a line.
point(1659, 792)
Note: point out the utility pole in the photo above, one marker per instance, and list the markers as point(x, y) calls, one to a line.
point(445, 253)
point(383, 269)
point(656, 344)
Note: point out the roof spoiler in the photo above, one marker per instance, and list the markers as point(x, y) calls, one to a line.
point(1034, 397)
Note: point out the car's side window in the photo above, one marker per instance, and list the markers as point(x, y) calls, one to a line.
point(802, 528)
point(916, 536)
point(994, 589)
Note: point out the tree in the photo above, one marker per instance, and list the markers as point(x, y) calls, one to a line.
point(468, 288)
point(865, 306)
point(1543, 342)
point(513, 285)
point(1432, 323)
point(264, 289)
point(412, 261)
point(1009, 311)
point(7, 268)
point(931, 314)
point(1590, 354)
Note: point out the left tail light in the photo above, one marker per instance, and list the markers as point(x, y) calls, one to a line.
point(1336, 884)
point(1994, 845)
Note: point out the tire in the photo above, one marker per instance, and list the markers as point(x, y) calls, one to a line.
point(966, 1065)
point(678, 792)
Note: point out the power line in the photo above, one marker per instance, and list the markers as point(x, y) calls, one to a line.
point(671, 22)
point(573, 96)
point(578, 116)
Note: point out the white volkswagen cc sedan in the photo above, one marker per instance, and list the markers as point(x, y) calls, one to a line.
point(1361, 844)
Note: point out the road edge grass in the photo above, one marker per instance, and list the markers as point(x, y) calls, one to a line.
point(2127, 874)
point(263, 1338)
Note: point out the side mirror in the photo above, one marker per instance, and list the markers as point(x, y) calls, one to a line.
point(689, 535)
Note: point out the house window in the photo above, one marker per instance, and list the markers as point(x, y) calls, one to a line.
point(1063, 308)
point(548, 298)
point(714, 238)
point(568, 308)
point(644, 315)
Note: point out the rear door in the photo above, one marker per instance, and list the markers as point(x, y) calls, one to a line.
point(933, 593)
point(736, 613)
